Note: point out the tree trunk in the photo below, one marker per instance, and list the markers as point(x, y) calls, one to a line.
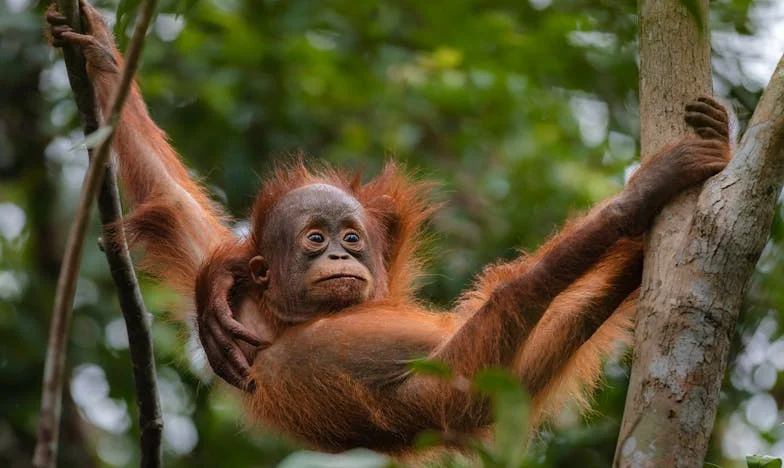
point(701, 251)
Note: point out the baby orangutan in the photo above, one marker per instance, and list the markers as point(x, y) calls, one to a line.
point(315, 316)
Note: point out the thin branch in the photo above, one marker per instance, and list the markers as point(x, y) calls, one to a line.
point(117, 255)
point(136, 321)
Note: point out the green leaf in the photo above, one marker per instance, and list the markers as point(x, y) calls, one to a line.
point(493, 381)
point(126, 12)
point(510, 408)
point(430, 367)
point(695, 11)
point(489, 459)
point(94, 139)
point(427, 439)
point(511, 431)
point(763, 461)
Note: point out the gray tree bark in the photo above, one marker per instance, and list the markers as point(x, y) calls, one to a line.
point(701, 251)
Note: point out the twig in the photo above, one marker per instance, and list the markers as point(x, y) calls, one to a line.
point(117, 255)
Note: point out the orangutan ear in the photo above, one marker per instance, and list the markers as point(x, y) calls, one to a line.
point(385, 210)
point(259, 270)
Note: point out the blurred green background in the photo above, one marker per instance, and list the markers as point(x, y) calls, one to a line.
point(524, 111)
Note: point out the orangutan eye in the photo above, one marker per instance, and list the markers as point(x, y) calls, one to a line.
point(316, 237)
point(351, 238)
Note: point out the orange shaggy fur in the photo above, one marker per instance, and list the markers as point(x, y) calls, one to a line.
point(186, 242)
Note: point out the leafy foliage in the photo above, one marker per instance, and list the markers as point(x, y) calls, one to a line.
point(525, 111)
point(762, 461)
